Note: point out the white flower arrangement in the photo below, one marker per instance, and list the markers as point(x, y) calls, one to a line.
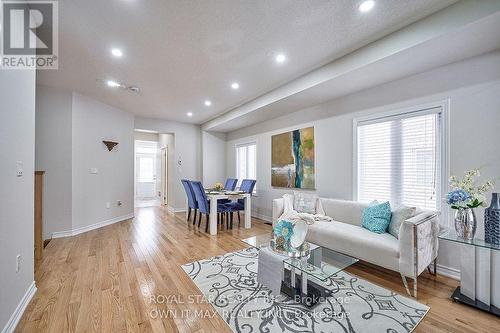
point(466, 192)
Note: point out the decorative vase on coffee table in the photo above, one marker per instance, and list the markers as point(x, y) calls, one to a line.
point(299, 234)
point(492, 220)
point(465, 223)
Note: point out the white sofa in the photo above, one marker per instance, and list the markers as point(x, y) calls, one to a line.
point(412, 253)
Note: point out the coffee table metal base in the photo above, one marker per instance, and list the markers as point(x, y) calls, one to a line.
point(302, 290)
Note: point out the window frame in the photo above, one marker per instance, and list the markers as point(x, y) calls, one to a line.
point(245, 144)
point(400, 113)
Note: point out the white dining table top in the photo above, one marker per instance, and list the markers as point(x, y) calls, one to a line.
point(227, 194)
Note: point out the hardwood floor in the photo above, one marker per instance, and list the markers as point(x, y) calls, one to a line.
point(112, 279)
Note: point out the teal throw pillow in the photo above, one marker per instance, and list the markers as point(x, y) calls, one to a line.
point(377, 217)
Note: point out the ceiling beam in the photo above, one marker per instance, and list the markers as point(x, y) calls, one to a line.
point(434, 26)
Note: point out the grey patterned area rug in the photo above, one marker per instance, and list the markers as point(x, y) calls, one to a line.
point(229, 283)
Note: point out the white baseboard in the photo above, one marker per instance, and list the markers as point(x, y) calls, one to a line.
point(262, 217)
point(74, 232)
point(21, 307)
point(450, 272)
point(174, 210)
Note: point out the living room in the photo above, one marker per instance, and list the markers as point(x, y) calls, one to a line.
point(334, 168)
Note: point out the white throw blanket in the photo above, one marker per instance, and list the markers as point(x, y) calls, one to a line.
point(293, 216)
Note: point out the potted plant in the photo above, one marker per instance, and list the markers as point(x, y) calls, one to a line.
point(465, 195)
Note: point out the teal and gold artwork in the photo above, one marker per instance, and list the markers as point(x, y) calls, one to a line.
point(292, 159)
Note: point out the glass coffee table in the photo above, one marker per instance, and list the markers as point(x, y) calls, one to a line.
point(303, 277)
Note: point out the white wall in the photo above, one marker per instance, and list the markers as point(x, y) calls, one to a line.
point(93, 122)
point(53, 155)
point(17, 143)
point(473, 89)
point(214, 157)
point(187, 152)
point(69, 131)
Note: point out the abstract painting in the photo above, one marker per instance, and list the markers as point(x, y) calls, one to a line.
point(292, 159)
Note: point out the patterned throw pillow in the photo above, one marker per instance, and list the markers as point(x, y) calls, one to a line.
point(304, 202)
point(377, 217)
point(400, 215)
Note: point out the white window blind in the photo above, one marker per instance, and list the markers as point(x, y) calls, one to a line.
point(146, 147)
point(399, 159)
point(146, 167)
point(146, 152)
point(246, 162)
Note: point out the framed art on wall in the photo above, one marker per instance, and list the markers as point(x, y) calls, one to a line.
point(292, 159)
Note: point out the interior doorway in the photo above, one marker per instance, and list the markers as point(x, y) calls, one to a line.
point(153, 168)
point(148, 175)
point(145, 159)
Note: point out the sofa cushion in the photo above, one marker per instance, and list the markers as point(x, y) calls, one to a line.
point(304, 202)
point(344, 211)
point(377, 217)
point(399, 215)
point(379, 249)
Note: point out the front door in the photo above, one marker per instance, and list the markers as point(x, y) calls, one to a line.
point(146, 173)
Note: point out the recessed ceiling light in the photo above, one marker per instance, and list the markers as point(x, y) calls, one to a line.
point(113, 84)
point(117, 52)
point(189, 114)
point(235, 85)
point(134, 89)
point(366, 6)
point(208, 103)
point(280, 58)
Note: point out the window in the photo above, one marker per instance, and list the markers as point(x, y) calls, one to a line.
point(399, 159)
point(146, 153)
point(146, 167)
point(146, 148)
point(246, 162)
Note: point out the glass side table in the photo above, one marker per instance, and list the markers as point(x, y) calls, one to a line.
point(479, 273)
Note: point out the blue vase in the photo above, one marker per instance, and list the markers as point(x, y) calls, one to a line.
point(492, 220)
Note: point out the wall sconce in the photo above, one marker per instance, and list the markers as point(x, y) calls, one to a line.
point(110, 144)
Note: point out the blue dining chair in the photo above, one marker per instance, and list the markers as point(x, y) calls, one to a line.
point(230, 184)
point(247, 186)
point(192, 203)
point(203, 205)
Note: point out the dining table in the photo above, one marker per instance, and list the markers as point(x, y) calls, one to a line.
point(215, 196)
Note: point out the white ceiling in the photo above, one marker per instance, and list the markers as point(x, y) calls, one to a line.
point(462, 31)
point(182, 52)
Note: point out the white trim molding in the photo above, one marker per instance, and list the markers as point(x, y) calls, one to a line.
point(262, 217)
point(450, 272)
point(174, 210)
point(21, 307)
point(74, 232)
